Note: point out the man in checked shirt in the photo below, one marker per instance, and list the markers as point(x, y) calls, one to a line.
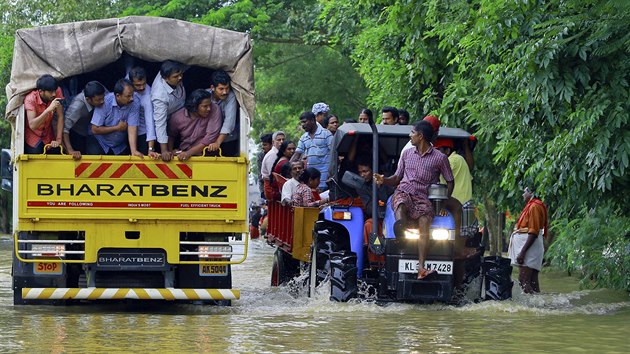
point(418, 168)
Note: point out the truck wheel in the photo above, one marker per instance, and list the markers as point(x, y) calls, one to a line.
point(343, 276)
point(284, 268)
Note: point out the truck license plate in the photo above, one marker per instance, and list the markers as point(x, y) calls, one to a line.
point(210, 270)
point(48, 268)
point(409, 266)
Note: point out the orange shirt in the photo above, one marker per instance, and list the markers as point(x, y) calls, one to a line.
point(533, 217)
point(33, 102)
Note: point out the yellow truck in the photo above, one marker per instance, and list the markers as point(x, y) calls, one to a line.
point(124, 227)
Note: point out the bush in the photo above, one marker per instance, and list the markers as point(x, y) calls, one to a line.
point(596, 246)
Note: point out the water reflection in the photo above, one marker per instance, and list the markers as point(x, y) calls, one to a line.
point(266, 319)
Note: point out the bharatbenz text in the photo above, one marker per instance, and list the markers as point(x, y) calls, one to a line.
point(135, 190)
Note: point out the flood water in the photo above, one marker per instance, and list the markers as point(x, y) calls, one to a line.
point(562, 319)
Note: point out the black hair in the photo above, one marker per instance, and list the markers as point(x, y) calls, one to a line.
point(119, 88)
point(195, 98)
point(266, 138)
point(392, 110)
point(403, 113)
point(219, 77)
point(308, 115)
point(285, 170)
point(350, 120)
point(368, 112)
point(46, 83)
point(171, 66)
point(425, 128)
point(137, 73)
point(281, 150)
point(364, 160)
point(327, 120)
point(308, 174)
point(93, 88)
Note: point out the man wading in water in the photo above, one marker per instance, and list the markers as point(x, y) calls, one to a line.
point(526, 243)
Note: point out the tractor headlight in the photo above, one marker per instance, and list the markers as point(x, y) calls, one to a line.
point(440, 234)
point(412, 234)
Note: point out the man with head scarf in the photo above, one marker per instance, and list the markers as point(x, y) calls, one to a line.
point(320, 110)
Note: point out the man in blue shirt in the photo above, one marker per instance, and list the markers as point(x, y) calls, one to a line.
point(110, 121)
point(146, 125)
point(316, 144)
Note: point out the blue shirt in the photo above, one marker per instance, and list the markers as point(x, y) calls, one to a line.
point(317, 150)
point(109, 115)
point(146, 125)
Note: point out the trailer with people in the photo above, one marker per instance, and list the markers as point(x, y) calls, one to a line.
point(117, 226)
point(335, 245)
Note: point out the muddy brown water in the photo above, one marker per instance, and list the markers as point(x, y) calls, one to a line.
point(274, 320)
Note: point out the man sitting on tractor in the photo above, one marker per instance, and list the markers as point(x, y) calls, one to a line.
point(417, 169)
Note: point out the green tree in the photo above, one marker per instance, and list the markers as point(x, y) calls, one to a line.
point(295, 64)
point(543, 84)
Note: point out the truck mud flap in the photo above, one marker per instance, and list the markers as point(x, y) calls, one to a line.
point(498, 282)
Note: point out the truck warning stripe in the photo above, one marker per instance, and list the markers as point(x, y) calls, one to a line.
point(81, 168)
point(121, 170)
point(100, 170)
point(133, 205)
point(167, 171)
point(186, 169)
point(133, 170)
point(147, 171)
point(129, 293)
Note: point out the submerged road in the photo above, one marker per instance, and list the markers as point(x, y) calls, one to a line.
point(562, 319)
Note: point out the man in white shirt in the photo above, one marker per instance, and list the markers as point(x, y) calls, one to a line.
point(268, 160)
point(289, 186)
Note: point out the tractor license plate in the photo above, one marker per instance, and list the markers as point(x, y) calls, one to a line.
point(409, 266)
point(48, 268)
point(210, 270)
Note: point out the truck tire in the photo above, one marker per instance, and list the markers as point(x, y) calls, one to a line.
point(343, 276)
point(284, 268)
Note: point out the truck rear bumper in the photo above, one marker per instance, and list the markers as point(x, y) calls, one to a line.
point(170, 294)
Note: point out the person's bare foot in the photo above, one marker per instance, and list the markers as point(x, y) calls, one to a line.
point(424, 273)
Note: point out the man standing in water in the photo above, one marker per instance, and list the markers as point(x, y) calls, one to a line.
point(526, 243)
point(418, 168)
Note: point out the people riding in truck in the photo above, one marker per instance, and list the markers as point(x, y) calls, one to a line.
point(320, 110)
point(41, 105)
point(145, 144)
point(226, 99)
point(286, 150)
point(168, 95)
point(331, 123)
point(303, 195)
point(289, 187)
point(271, 193)
point(195, 126)
point(76, 125)
point(110, 121)
point(365, 115)
point(364, 168)
point(418, 168)
point(316, 145)
point(389, 115)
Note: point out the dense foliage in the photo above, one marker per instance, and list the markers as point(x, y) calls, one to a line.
point(543, 85)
